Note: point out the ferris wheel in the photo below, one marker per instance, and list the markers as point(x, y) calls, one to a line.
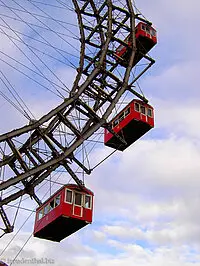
point(88, 54)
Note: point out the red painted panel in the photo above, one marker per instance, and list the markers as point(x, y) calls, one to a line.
point(77, 211)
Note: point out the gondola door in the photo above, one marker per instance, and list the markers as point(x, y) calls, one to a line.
point(78, 204)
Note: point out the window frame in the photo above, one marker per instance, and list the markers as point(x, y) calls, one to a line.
point(121, 117)
point(153, 33)
point(59, 195)
point(148, 30)
point(87, 195)
point(117, 122)
point(46, 206)
point(74, 202)
point(145, 111)
point(149, 115)
point(72, 199)
point(135, 104)
point(49, 207)
point(53, 200)
point(42, 212)
point(129, 111)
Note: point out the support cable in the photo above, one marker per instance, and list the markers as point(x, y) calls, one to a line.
point(36, 40)
point(28, 58)
point(25, 105)
point(17, 211)
point(103, 160)
point(28, 12)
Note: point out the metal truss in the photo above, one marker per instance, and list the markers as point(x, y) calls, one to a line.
point(97, 88)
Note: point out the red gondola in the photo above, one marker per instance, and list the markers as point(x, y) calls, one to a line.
point(130, 124)
point(64, 213)
point(3, 263)
point(146, 38)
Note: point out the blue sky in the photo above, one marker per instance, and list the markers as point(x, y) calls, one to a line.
point(146, 198)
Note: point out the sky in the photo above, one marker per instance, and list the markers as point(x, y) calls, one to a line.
point(147, 198)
